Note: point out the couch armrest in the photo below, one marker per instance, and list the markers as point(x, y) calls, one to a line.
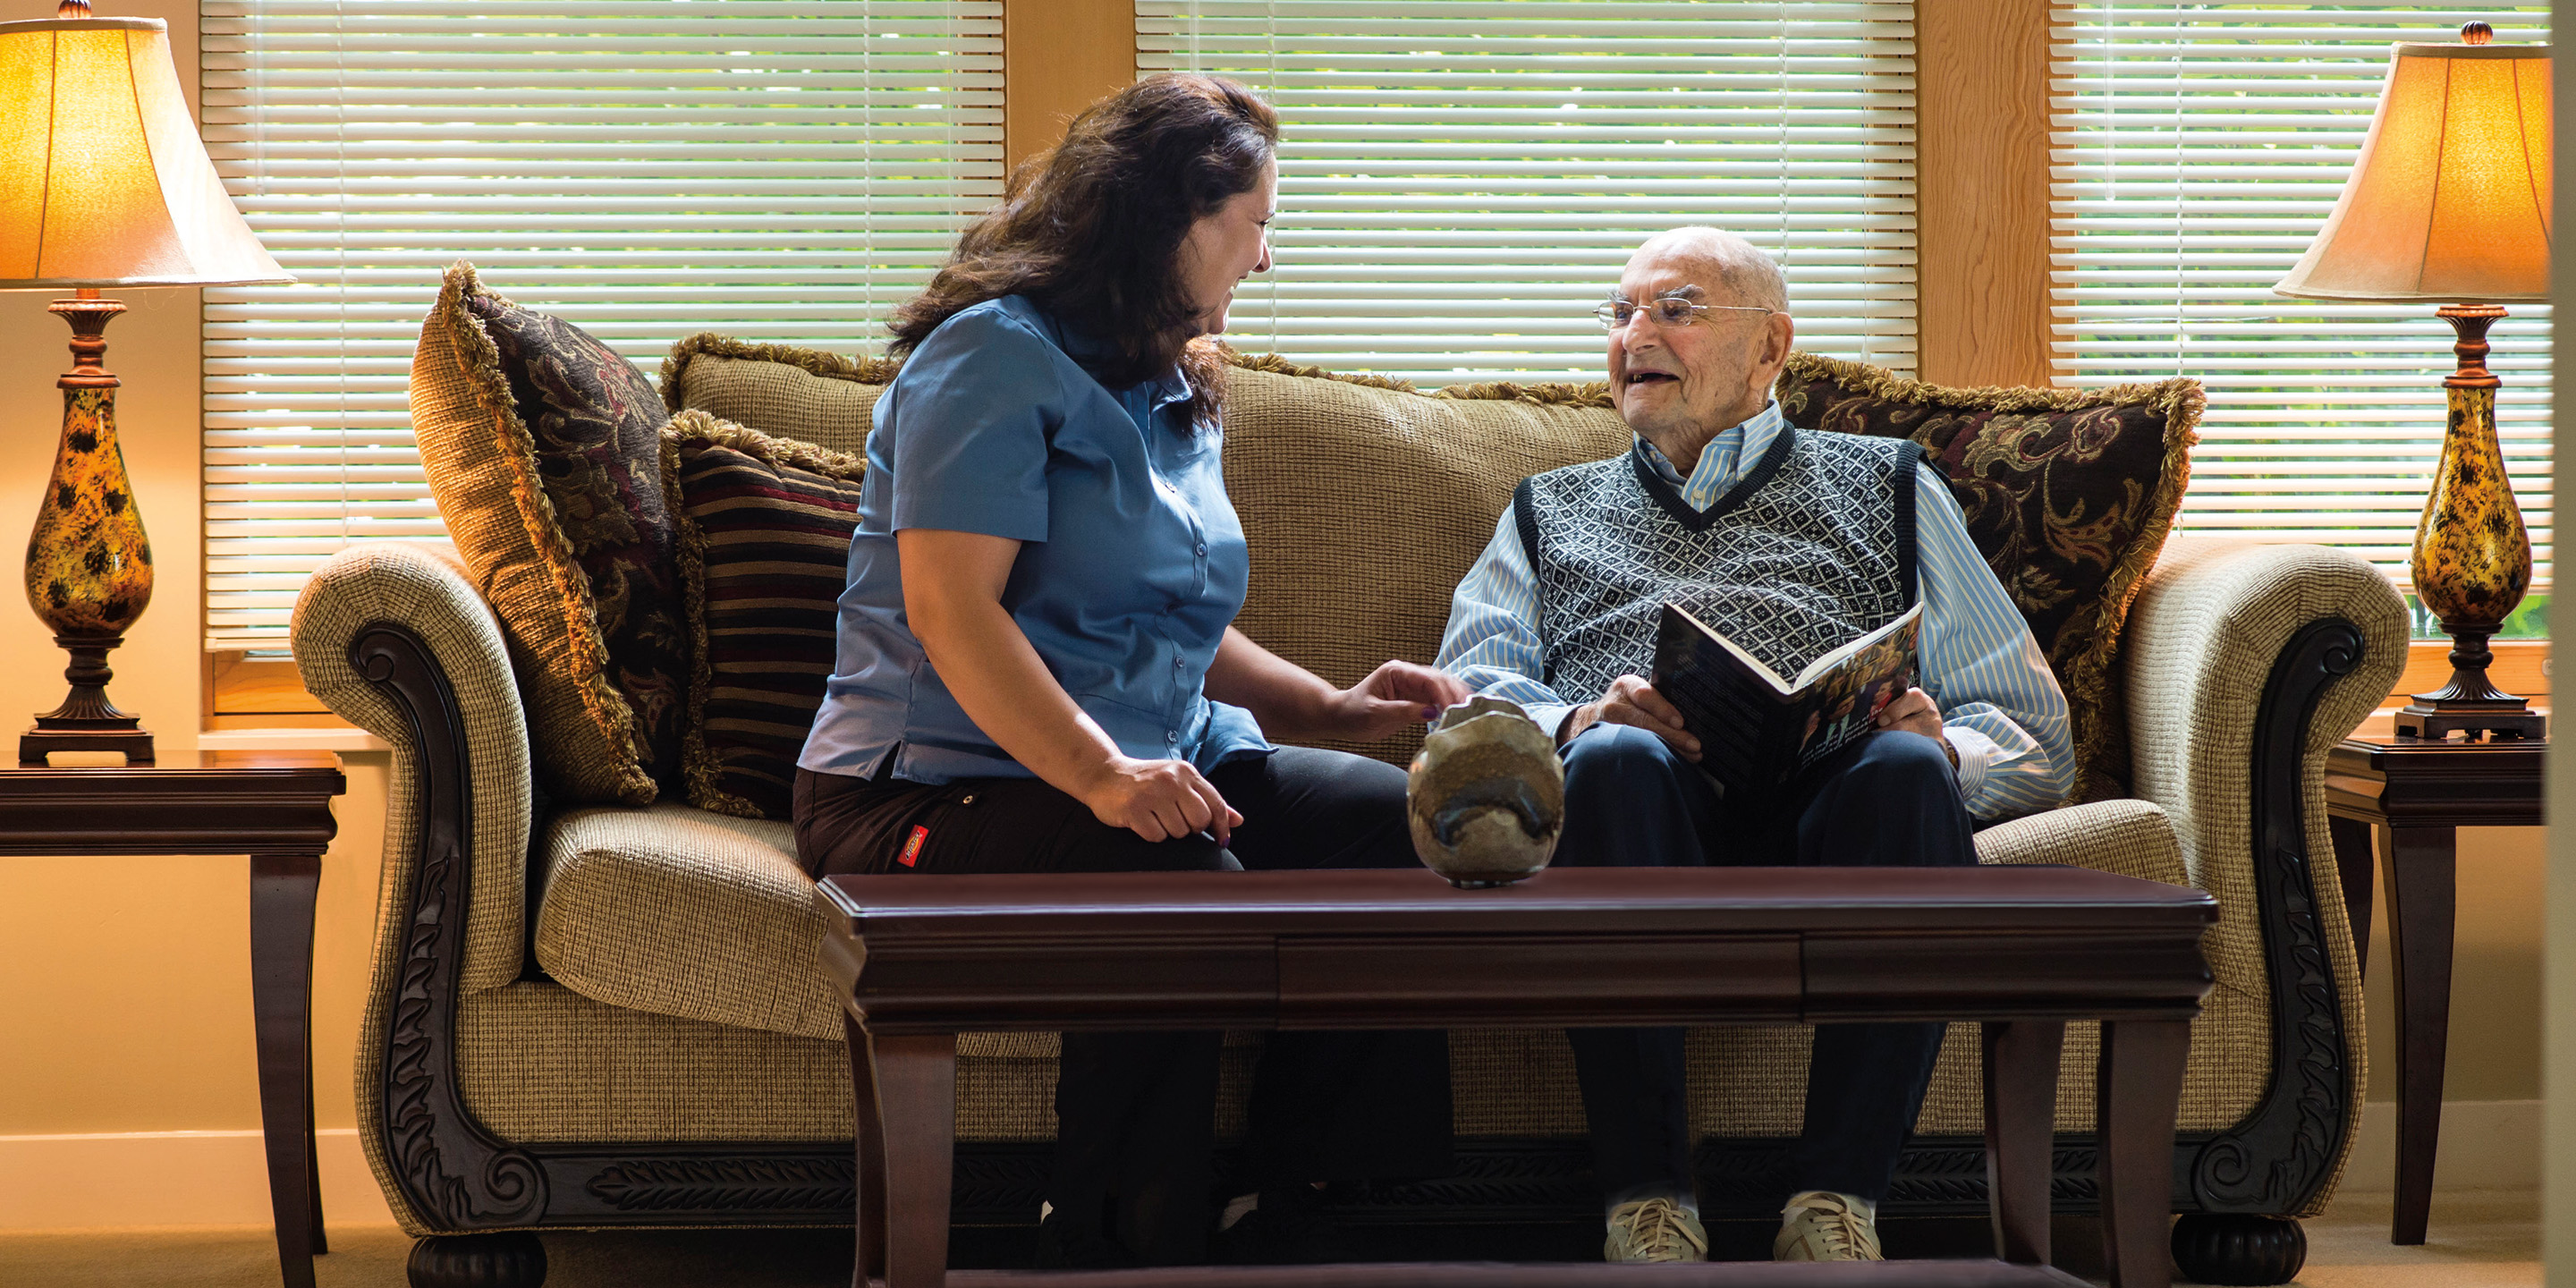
point(2247, 663)
point(393, 638)
point(2126, 838)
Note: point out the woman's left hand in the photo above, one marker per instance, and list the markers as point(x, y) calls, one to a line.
point(1394, 697)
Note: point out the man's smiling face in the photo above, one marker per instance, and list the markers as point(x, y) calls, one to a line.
point(1686, 382)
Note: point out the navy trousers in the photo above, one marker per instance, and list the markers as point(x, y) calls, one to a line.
point(1888, 800)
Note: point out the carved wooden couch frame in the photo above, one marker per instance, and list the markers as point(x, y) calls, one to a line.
point(2301, 639)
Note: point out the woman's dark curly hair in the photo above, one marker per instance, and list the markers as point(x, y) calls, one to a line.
point(1091, 229)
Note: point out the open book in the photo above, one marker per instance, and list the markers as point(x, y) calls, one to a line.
point(1756, 730)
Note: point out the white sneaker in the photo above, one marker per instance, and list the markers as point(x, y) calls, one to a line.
point(1655, 1229)
point(1822, 1226)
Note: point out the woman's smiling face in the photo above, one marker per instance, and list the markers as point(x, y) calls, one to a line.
point(1223, 248)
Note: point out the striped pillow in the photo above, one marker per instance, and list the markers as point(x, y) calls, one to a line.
point(764, 548)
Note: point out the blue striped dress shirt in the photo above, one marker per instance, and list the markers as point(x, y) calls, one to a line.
point(2000, 704)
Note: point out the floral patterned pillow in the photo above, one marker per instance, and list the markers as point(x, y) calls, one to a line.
point(2069, 494)
point(544, 449)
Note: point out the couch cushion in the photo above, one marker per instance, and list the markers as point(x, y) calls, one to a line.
point(540, 444)
point(805, 394)
point(683, 912)
point(764, 551)
point(2069, 493)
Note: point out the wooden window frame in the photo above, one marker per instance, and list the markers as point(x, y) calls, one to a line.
point(1982, 203)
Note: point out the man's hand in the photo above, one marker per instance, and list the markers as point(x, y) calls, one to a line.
point(1158, 799)
point(1914, 713)
point(1631, 701)
point(1395, 697)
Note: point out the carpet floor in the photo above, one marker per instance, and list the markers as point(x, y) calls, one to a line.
point(2479, 1240)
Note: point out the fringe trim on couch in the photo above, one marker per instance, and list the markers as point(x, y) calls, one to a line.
point(830, 366)
point(1551, 394)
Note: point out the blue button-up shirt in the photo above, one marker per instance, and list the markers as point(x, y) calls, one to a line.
point(2000, 704)
point(1132, 563)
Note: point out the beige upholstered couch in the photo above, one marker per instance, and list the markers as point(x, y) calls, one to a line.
point(611, 1016)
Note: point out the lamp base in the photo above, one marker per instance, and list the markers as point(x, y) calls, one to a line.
point(87, 721)
point(2469, 704)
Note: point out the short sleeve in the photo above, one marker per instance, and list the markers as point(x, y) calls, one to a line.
point(970, 416)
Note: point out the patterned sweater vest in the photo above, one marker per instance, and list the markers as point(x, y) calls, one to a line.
point(1812, 548)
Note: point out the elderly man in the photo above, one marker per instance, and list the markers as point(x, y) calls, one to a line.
point(1792, 543)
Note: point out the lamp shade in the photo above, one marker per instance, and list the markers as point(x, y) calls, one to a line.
point(2450, 199)
point(103, 180)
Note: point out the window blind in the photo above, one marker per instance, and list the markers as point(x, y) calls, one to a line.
point(779, 170)
point(1460, 182)
point(2197, 150)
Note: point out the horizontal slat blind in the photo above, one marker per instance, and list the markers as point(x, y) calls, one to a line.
point(1460, 182)
point(780, 170)
point(2198, 149)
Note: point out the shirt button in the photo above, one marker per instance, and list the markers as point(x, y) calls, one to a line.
point(1172, 736)
point(1202, 549)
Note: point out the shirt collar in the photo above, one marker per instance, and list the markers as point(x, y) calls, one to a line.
point(1078, 344)
point(1723, 461)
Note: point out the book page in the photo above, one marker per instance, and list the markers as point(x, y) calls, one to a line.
point(1874, 639)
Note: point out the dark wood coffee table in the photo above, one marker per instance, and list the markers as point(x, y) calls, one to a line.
point(920, 959)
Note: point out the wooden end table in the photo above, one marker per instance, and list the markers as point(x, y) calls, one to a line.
point(274, 807)
point(2415, 794)
point(920, 959)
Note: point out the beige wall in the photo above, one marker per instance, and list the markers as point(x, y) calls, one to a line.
point(124, 982)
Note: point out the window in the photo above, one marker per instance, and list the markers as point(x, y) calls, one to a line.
point(2198, 149)
point(781, 170)
point(1460, 182)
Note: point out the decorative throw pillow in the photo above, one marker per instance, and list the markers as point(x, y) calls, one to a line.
point(765, 528)
point(2069, 494)
point(804, 394)
point(542, 447)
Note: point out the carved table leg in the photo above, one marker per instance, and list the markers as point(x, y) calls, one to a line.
point(281, 974)
point(2021, 1119)
point(2137, 1097)
point(2422, 899)
point(917, 1089)
point(2353, 865)
point(870, 1120)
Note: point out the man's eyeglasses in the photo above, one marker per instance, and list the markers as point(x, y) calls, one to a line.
point(1668, 310)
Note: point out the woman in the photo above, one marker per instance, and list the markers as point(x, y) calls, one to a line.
point(1038, 673)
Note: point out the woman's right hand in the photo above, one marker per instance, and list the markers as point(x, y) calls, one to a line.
point(1159, 799)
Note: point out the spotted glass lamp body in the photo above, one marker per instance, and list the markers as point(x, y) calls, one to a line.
point(89, 566)
point(2472, 561)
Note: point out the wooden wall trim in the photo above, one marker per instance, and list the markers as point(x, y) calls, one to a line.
point(1057, 56)
point(1981, 191)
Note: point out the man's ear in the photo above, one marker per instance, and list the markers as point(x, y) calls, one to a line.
point(1778, 335)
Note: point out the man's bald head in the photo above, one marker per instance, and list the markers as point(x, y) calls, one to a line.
point(1680, 383)
point(1732, 264)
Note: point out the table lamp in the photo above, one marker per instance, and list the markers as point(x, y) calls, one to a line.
point(103, 183)
point(2449, 202)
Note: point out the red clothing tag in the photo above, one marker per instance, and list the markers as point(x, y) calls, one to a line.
point(912, 848)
